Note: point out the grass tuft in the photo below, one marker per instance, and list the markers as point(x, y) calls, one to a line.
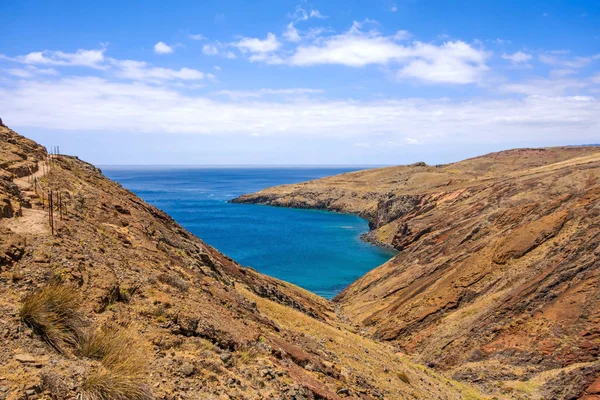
point(114, 384)
point(175, 281)
point(122, 375)
point(403, 377)
point(53, 313)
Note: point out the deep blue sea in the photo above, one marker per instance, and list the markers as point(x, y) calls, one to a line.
point(318, 250)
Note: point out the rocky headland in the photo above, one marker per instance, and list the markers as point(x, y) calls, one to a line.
point(497, 278)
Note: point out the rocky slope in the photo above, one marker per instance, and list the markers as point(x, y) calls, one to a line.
point(498, 273)
point(206, 327)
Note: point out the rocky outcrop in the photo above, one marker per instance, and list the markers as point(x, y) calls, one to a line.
point(498, 271)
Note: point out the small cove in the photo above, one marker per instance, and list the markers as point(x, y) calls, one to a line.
point(318, 250)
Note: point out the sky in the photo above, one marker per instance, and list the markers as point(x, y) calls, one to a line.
point(299, 82)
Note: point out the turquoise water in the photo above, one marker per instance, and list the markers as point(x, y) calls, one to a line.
point(317, 250)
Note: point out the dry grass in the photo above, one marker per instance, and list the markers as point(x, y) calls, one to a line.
point(175, 281)
point(53, 312)
point(122, 375)
point(115, 384)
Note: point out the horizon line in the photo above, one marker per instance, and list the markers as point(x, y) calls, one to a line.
point(250, 165)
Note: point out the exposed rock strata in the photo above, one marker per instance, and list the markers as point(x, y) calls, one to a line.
point(498, 273)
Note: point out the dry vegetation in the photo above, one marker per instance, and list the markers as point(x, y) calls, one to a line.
point(53, 312)
point(120, 383)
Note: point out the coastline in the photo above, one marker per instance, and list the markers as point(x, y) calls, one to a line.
point(367, 237)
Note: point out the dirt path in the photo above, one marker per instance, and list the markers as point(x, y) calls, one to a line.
point(34, 221)
point(24, 183)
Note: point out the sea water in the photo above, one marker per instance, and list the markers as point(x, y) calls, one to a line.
point(318, 250)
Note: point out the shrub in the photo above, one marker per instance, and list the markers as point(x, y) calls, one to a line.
point(175, 281)
point(122, 375)
point(53, 313)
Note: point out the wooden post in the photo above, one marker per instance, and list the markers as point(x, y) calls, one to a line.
point(42, 199)
point(50, 212)
point(60, 205)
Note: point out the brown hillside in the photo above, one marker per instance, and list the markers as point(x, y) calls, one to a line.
point(497, 280)
point(123, 303)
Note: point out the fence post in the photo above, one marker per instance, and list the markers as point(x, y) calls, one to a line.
point(50, 212)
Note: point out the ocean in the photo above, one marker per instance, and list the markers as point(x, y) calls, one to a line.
point(318, 250)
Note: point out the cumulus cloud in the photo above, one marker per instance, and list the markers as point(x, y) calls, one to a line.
point(452, 62)
point(210, 49)
point(260, 49)
point(196, 36)
point(162, 48)
point(255, 45)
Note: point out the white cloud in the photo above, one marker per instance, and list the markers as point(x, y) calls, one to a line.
point(244, 94)
point(255, 45)
point(394, 8)
point(452, 62)
point(142, 71)
point(162, 48)
point(517, 58)
point(217, 68)
point(501, 42)
point(317, 14)
point(82, 58)
point(30, 71)
point(546, 87)
point(402, 35)
point(210, 49)
point(300, 14)
point(196, 36)
point(85, 103)
point(560, 58)
point(291, 33)
point(125, 69)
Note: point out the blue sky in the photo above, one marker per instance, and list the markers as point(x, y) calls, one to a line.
point(288, 82)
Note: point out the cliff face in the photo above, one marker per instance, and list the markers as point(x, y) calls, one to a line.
point(498, 273)
point(207, 327)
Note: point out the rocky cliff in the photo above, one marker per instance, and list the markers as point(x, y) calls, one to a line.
point(118, 301)
point(497, 279)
